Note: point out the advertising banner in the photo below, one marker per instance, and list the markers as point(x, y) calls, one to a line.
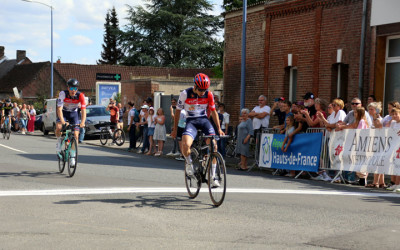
point(105, 91)
point(366, 150)
point(303, 153)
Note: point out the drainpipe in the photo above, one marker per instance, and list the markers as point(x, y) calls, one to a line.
point(362, 49)
point(243, 76)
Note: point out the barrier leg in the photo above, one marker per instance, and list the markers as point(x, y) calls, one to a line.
point(256, 153)
point(339, 174)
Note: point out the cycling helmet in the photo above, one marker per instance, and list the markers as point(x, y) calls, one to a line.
point(202, 81)
point(73, 83)
point(8, 100)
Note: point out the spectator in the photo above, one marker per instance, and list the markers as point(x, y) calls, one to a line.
point(285, 107)
point(24, 116)
point(349, 119)
point(309, 103)
point(132, 126)
point(245, 131)
point(179, 132)
point(15, 118)
point(143, 123)
point(359, 123)
point(160, 134)
point(121, 112)
point(220, 118)
point(371, 98)
point(395, 124)
point(149, 101)
point(216, 101)
point(150, 129)
point(172, 109)
point(114, 114)
point(277, 110)
point(224, 127)
point(337, 115)
point(374, 110)
point(314, 121)
point(388, 118)
point(32, 118)
point(288, 130)
point(260, 114)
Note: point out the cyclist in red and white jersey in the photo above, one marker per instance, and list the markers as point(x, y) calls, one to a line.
point(196, 101)
point(68, 103)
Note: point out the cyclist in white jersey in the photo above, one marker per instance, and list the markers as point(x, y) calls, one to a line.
point(196, 101)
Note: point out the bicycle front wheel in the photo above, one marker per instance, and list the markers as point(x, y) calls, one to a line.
point(104, 135)
point(216, 175)
point(72, 157)
point(193, 184)
point(8, 131)
point(119, 137)
point(61, 157)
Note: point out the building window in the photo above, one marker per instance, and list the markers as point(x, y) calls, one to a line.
point(292, 84)
point(392, 70)
point(340, 77)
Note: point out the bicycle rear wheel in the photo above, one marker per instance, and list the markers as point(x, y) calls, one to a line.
point(72, 157)
point(216, 179)
point(193, 185)
point(61, 157)
point(119, 137)
point(104, 136)
point(139, 139)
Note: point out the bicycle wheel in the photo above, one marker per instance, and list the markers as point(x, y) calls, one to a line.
point(139, 139)
point(72, 157)
point(104, 136)
point(193, 185)
point(61, 157)
point(8, 131)
point(119, 137)
point(216, 179)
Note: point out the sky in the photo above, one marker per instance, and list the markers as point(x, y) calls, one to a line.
point(78, 27)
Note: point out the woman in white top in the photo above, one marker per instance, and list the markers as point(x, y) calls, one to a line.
point(160, 133)
point(31, 122)
point(150, 129)
point(388, 118)
point(337, 115)
point(395, 124)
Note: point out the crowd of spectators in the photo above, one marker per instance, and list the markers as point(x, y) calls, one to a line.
point(22, 117)
point(313, 112)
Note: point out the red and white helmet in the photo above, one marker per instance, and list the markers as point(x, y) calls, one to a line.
point(202, 81)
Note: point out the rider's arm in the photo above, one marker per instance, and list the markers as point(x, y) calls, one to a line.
point(83, 117)
point(176, 119)
point(60, 115)
point(215, 117)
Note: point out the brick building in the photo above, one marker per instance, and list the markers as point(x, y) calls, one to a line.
point(296, 46)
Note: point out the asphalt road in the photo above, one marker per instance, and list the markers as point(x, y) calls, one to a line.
point(122, 200)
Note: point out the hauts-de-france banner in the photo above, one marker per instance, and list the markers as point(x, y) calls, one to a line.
point(366, 150)
point(303, 153)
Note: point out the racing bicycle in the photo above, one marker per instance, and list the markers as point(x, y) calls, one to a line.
point(202, 158)
point(7, 128)
point(117, 137)
point(69, 151)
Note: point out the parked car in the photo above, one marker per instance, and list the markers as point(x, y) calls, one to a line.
point(96, 116)
point(38, 122)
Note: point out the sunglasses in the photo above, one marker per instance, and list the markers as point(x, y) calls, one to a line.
point(355, 103)
point(73, 88)
point(201, 90)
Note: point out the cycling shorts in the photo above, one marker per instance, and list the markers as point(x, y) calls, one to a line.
point(71, 117)
point(193, 124)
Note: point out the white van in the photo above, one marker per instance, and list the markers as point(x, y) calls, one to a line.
point(49, 117)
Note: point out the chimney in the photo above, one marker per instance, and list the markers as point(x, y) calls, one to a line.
point(1, 52)
point(21, 55)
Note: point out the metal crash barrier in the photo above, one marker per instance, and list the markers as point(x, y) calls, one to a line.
point(257, 144)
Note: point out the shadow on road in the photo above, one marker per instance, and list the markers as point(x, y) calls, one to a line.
point(33, 174)
point(157, 201)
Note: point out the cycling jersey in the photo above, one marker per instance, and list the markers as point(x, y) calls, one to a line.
point(71, 103)
point(195, 106)
point(7, 109)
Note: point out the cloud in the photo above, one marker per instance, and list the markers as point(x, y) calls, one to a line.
point(80, 40)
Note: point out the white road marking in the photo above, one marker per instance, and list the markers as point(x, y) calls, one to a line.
point(13, 149)
point(94, 191)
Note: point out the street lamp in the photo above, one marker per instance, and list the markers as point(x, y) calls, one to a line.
point(51, 10)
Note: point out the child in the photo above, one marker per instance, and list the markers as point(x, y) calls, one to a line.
point(288, 131)
point(395, 124)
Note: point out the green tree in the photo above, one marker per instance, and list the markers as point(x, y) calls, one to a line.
point(172, 33)
point(235, 4)
point(112, 53)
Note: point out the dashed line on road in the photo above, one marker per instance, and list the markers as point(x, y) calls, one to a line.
point(13, 149)
point(97, 191)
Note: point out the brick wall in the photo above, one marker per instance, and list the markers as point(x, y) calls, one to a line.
point(311, 30)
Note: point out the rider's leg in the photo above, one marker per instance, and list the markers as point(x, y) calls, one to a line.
point(187, 142)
